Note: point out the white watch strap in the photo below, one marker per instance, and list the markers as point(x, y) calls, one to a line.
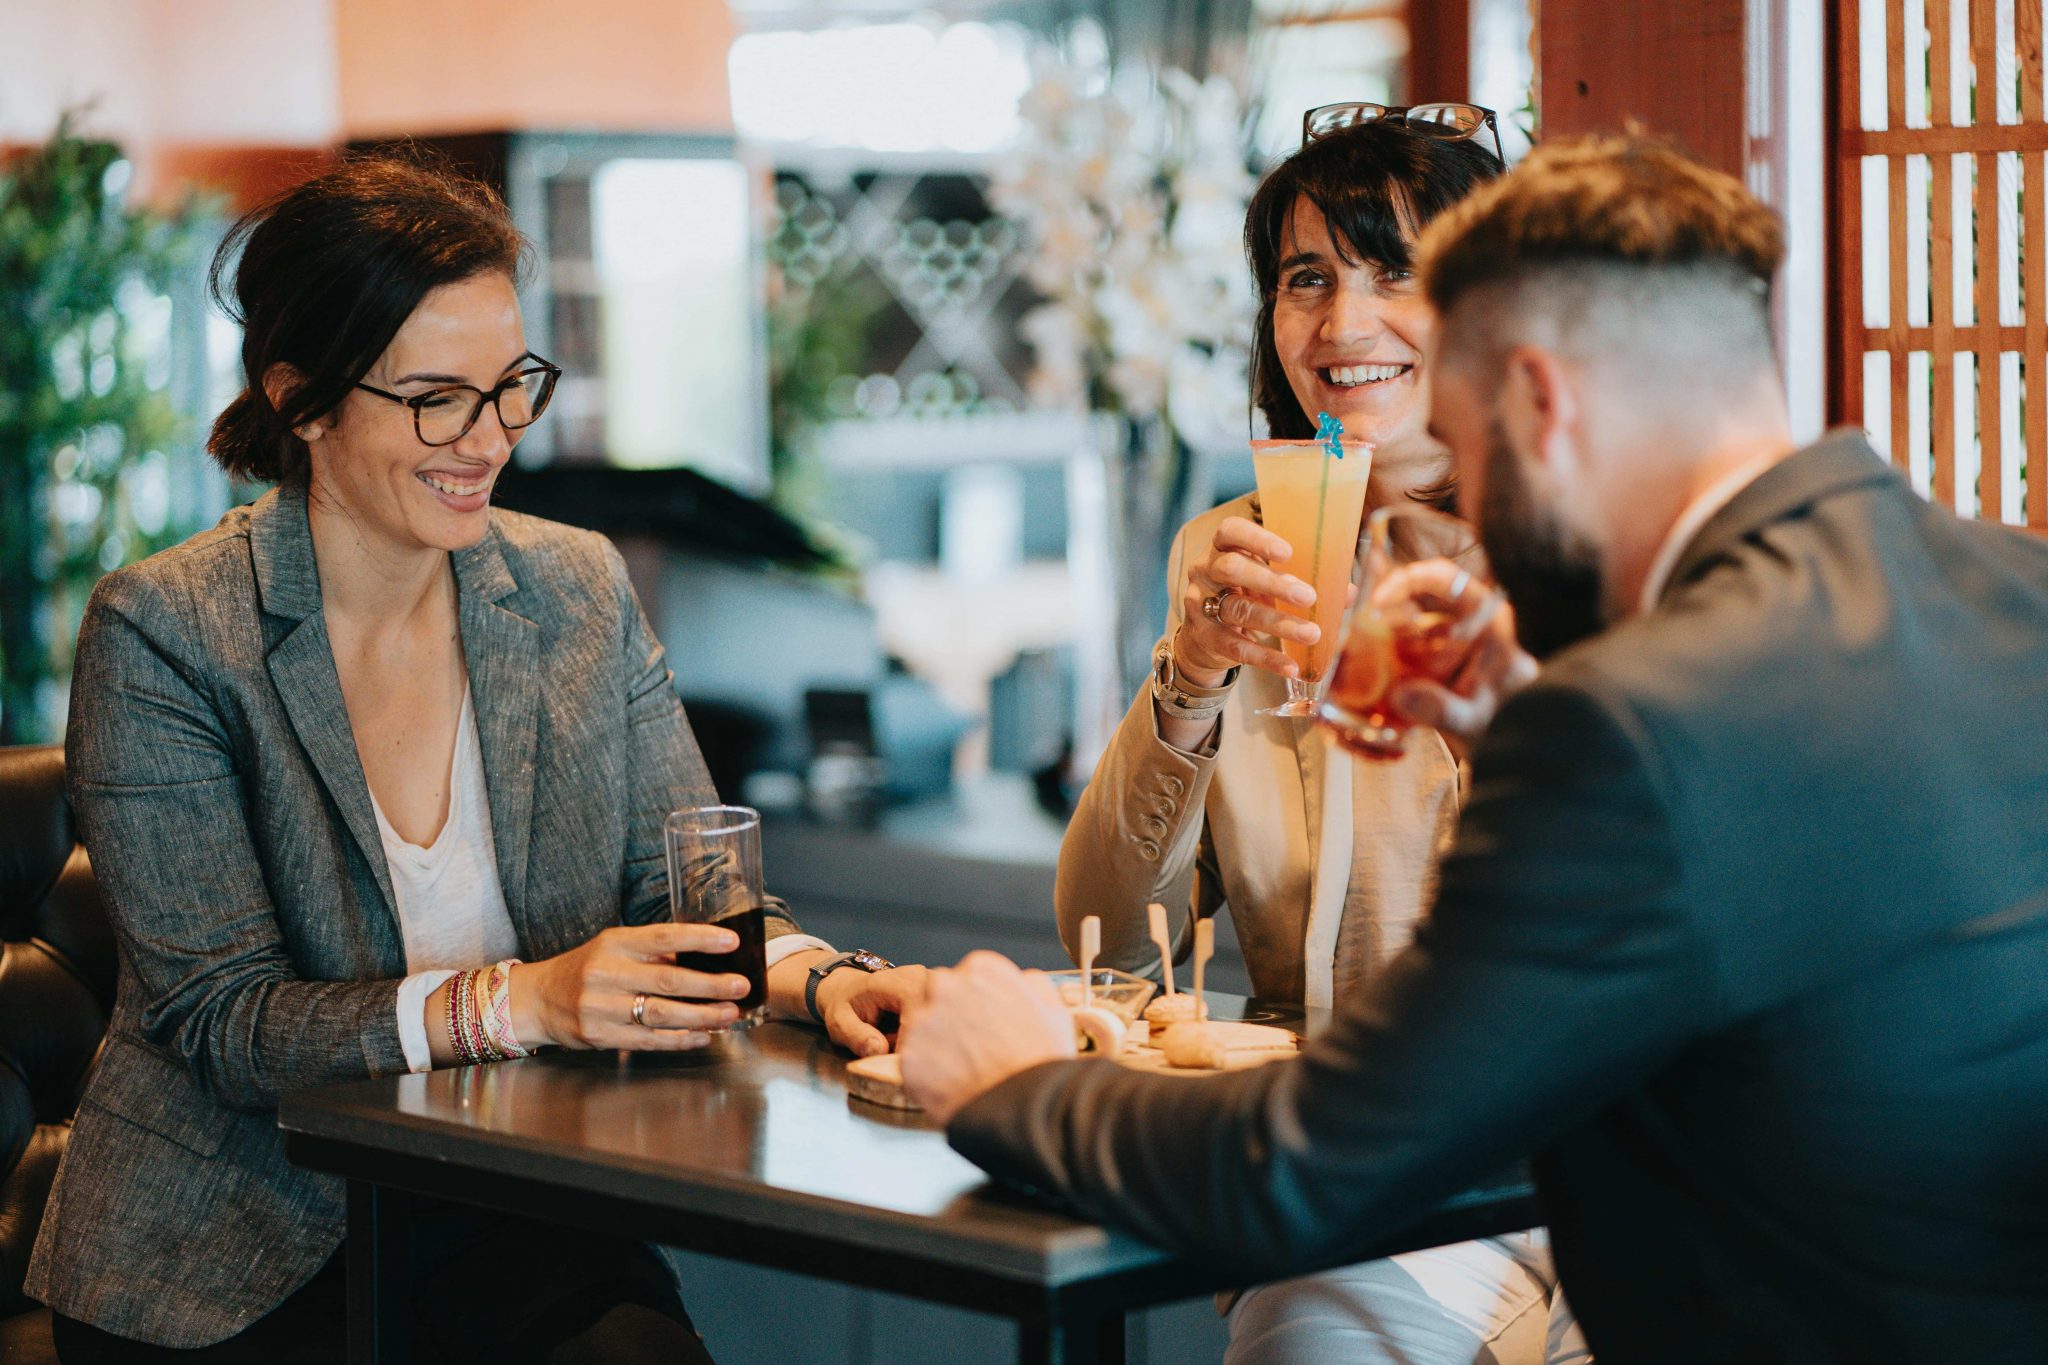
point(1185, 706)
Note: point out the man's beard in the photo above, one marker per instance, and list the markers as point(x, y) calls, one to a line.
point(1550, 575)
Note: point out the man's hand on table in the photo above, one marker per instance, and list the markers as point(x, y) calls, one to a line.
point(979, 1024)
point(854, 1005)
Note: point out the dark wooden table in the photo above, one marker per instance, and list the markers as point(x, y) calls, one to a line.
point(751, 1150)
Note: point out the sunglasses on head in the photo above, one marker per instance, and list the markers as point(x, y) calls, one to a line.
point(1450, 122)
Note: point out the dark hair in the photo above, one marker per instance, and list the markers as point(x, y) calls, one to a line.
point(1373, 183)
point(328, 272)
point(1616, 201)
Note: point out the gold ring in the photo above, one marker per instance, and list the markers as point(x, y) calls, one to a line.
point(640, 1010)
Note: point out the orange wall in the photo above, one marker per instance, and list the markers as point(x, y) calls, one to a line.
point(161, 78)
point(241, 95)
point(1675, 66)
point(1439, 50)
point(471, 65)
point(242, 173)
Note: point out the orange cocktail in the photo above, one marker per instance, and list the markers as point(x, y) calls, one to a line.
point(1377, 654)
point(1314, 501)
point(1424, 596)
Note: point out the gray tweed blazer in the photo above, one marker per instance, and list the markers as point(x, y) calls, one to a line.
point(217, 787)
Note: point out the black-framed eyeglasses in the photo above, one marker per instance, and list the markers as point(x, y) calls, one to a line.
point(443, 416)
point(1451, 122)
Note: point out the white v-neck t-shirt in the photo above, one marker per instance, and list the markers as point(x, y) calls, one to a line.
point(451, 906)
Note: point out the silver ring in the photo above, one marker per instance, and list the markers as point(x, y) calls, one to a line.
point(1212, 606)
point(1460, 583)
point(640, 1010)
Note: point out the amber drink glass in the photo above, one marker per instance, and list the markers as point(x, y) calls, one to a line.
point(1424, 595)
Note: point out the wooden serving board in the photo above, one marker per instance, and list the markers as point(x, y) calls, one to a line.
point(879, 1080)
point(1235, 1036)
point(1152, 1059)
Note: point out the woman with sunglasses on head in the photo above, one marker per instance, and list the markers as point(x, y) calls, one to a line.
point(373, 778)
point(1326, 865)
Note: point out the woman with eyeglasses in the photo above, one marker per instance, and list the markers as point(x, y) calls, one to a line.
point(373, 778)
point(1326, 865)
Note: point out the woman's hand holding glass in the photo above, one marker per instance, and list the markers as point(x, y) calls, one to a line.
point(588, 996)
point(1240, 570)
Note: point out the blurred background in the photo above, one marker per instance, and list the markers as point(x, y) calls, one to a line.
point(899, 337)
point(897, 340)
point(895, 337)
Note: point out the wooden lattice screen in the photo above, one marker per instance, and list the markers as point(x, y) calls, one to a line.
point(1940, 271)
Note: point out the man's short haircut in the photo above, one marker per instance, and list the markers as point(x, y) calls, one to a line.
point(1612, 201)
point(1615, 251)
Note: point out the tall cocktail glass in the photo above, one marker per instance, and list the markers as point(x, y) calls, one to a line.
point(1424, 596)
point(1314, 501)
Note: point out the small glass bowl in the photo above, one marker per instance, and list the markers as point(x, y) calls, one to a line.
point(1118, 992)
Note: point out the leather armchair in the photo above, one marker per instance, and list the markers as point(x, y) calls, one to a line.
point(56, 989)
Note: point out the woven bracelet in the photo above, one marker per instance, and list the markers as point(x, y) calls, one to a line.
point(494, 1002)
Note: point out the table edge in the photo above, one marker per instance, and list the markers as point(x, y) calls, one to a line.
point(1077, 1252)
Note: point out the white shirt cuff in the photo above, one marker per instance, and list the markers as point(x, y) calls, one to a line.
point(412, 1017)
point(785, 944)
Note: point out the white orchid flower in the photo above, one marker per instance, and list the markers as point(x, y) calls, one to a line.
point(1132, 187)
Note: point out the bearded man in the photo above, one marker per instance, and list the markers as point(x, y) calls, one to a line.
point(1744, 938)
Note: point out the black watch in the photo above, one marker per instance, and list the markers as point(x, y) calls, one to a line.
point(860, 959)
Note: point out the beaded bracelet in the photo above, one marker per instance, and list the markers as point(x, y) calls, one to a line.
point(480, 1014)
point(472, 1045)
point(494, 1004)
point(471, 1026)
point(473, 1019)
point(461, 1000)
point(480, 1040)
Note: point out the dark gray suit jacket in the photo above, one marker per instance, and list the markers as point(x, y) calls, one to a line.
point(1744, 939)
point(217, 786)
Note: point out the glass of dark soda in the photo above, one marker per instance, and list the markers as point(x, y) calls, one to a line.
point(714, 877)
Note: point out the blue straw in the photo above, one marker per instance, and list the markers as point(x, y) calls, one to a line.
point(1330, 431)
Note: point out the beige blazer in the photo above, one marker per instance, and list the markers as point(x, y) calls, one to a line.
point(1324, 862)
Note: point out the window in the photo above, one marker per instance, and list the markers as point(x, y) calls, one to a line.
point(1941, 269)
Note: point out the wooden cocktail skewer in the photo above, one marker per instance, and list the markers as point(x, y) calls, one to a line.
point(1091, 948)
point(1155, 917)
point(1205, 947)
point(1102, 1029)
